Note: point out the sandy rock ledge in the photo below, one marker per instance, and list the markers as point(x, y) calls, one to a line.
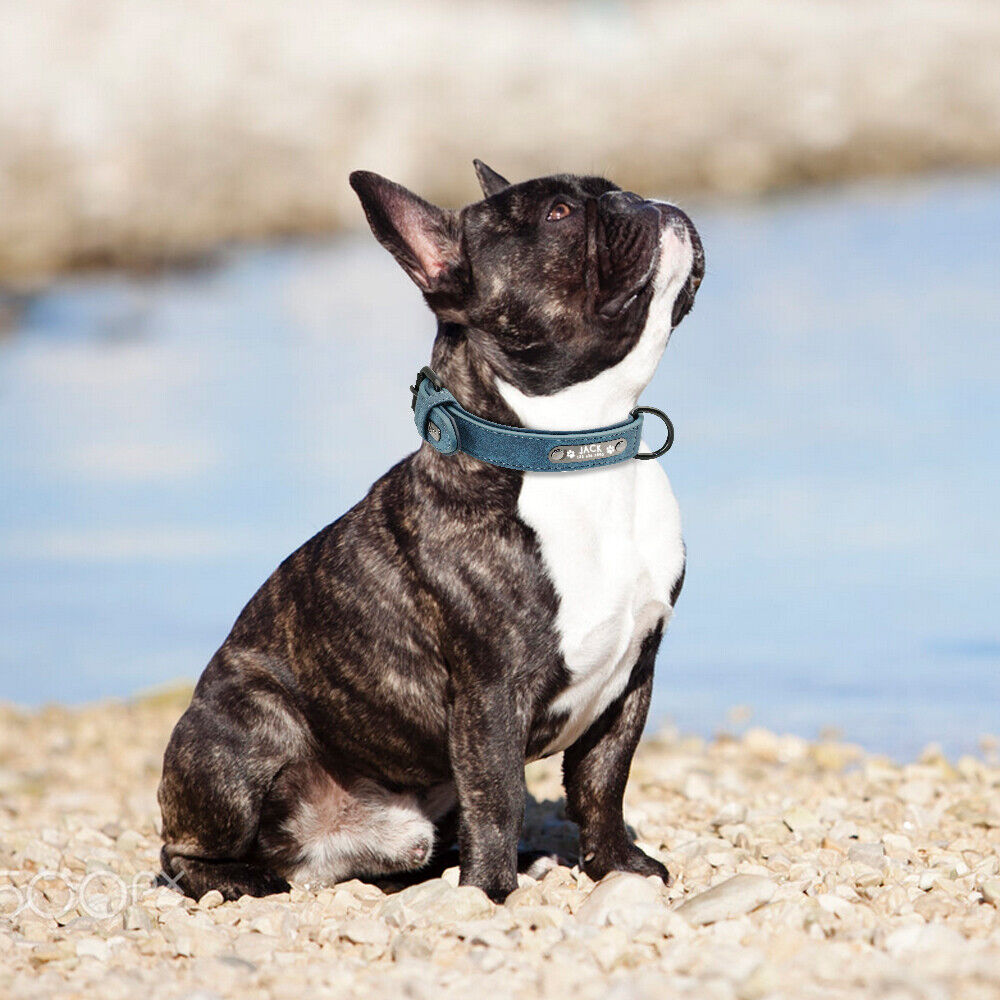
point(800, 870)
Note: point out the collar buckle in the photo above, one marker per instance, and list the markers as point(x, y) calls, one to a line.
point(431, 376)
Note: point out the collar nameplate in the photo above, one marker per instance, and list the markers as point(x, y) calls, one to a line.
point(448, 428)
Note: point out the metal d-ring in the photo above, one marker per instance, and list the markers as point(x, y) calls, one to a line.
point(665, 447)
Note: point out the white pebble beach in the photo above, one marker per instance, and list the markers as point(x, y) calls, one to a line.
point(799, 870)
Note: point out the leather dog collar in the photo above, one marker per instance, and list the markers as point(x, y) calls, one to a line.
point(449, 427)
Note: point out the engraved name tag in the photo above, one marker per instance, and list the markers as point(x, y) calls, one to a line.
point(587, 452)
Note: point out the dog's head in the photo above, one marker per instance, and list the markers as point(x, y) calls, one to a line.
point(553, 281)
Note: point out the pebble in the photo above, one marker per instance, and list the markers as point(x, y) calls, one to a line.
point(732, 898)
point(731, 814)
point(872, 855)
point(865, 870)
point(608, 947)
point(621, 897)
point(365, 930)
point(137, 918)
point(92, 947)
point(798, 819)
point(991, 891)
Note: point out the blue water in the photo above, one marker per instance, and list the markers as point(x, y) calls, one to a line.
point(165, 441)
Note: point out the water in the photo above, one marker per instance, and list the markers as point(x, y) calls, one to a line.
point(164, 442)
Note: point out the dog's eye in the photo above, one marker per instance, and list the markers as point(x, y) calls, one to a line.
point(558, 211)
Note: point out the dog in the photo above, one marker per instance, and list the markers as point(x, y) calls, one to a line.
point(380, 694)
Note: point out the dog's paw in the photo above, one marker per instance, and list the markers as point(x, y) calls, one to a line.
point(233, 879)
point(628, 858)
point(419, 852)
point(497, 887)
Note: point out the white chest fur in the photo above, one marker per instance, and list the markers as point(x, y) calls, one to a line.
point(610, 537)
point(611, 541)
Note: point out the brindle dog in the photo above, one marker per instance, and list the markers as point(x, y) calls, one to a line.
point(387, 683)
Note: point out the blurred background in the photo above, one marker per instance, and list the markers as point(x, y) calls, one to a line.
point(189, 310)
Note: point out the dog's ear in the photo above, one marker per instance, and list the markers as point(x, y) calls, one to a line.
point(489, 180)
point(423, 238)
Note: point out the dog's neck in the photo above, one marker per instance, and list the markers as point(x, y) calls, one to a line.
point(472, 377)
point(605, 399)
point(469, 375)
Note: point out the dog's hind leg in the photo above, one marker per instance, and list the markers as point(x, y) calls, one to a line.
point(222, 758)
point(319, 829)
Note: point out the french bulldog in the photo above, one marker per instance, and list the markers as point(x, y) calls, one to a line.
point(380, 694)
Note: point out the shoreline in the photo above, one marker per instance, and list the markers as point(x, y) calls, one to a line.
point(138, 134)
point(800, 869)
point(738, 727)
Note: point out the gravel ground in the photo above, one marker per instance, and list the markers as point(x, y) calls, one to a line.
point(801, 870)
point(137, 131)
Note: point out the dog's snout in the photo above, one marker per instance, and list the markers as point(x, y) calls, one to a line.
point(629, 209)
point(623, 201)
point(621, 197)
point(677, 220)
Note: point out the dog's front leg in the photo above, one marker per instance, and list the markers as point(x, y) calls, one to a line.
point(486, 744)
point(595, 770)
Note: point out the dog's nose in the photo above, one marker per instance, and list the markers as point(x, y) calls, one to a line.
point(620, 199)
point(628, 203)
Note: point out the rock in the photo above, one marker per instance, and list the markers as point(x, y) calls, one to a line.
point(732, 898)
point(130, 841)
point(93, 947)
point(924, 939)
point(165, 899)
point(487, 959)
point(435, 901)
point(799, 820)
point(41, 855)
point(468, 904)
point(182, 942)
point(279, 923)
point(834, 904)
point(255, 948)
point(608, 947)
point(535, 917)
point(866, 877)
point(365, 930)
point(901, 845)
point(362, 890)
point(52, 951)
point(731, 814)
point(211, 900)
point(991, 891)
point(622, 895)
point(485, 932)
point(531, 894)
point(137, 918)
point(409, 945)
point(872, 855)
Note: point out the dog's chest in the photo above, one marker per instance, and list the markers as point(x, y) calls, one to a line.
point(610, 540)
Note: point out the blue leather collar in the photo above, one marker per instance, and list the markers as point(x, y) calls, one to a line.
point(447, 426)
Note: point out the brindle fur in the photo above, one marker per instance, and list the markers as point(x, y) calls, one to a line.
point(411, 642)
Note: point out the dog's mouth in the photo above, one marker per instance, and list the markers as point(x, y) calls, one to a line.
point(625, 299)
point(627, 234)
